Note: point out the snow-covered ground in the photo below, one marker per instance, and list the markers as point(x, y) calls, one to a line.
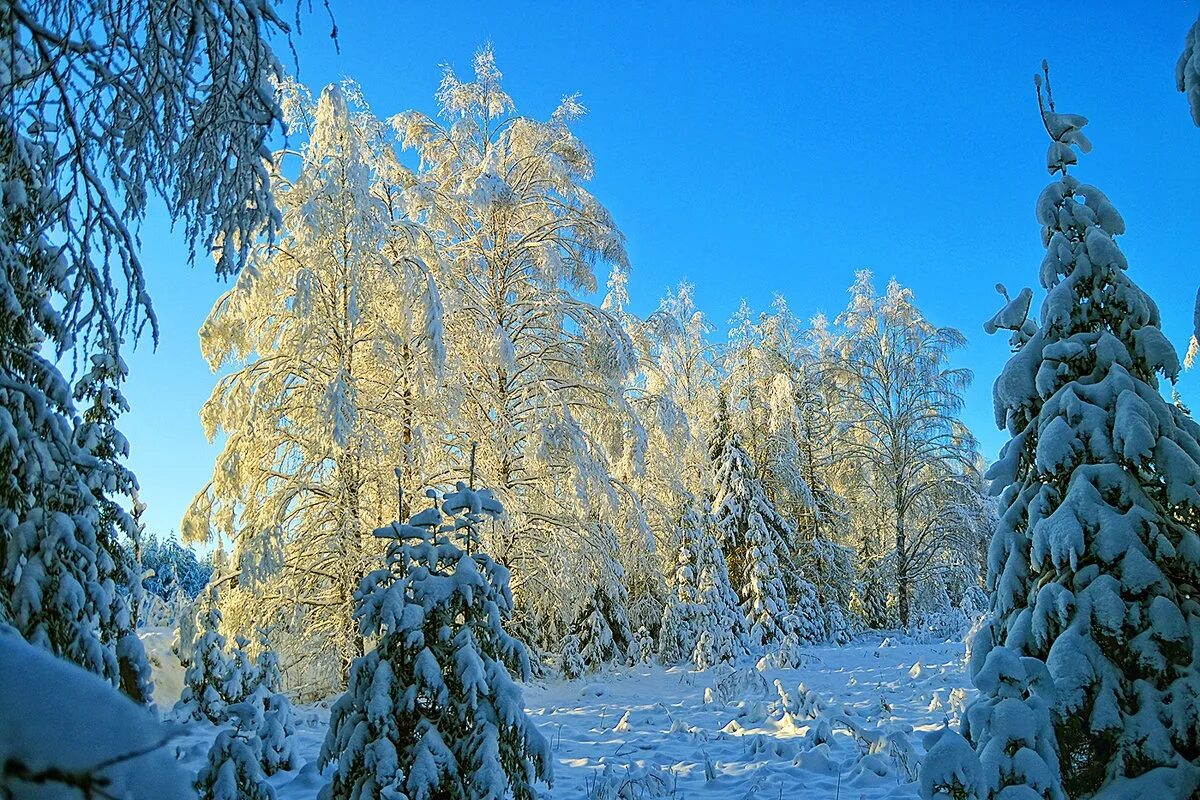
point(644, 732)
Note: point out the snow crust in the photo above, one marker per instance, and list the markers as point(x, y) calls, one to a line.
point(851, 723)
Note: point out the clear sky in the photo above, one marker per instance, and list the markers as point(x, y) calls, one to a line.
point(756, 148)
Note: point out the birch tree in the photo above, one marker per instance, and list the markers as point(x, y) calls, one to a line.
point(331, 329)
point(900, 402)
point(543, 371)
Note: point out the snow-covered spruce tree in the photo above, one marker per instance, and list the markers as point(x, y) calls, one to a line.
point(602, 626)
point(51, 589)
point(432, 711)
point(807, 620)
point(268, 673)
point(678, 631)
point(872, 597)
point(572, 664)
point(753, 534)
point(242, 679)
point(1094, 562)
point(839, 629)
point(276, 734)
point(117, 532)
point(254, 693)
point(722, 634)
point(641, 651)
point(206, 681)
point(170, 100)
point(339, 321)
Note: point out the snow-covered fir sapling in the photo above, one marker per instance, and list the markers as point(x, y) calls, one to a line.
point(679, 628)
point(233, 771)
point(268, 673)
point(242, 679)
point(263, 686)
point(207, 678)
point(572, 665)
point(602, 629)
point(873, 596)
point(722, 635)
point(1094, 561)
point(753, 534)
point(276, 734)
point(806, 622)
point(838, 629)
point(432, 711)
point(602, 625)
point(642, 649)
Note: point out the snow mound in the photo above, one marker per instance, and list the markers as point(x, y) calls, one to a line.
point(59, 719)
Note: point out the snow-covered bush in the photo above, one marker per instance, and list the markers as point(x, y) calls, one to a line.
point(803, 704)
point(643, 782)
point(432, 710)
point(1009, 725)
point(950, 769)
point(734, 685)
point(788, 652)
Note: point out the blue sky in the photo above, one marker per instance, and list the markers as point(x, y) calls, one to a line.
point(761, 148)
